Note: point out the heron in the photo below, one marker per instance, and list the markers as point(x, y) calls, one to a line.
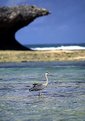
point(40, 86)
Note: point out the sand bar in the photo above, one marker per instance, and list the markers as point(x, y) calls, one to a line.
point(26, 56)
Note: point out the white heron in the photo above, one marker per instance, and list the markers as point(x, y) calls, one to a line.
point(40, 86)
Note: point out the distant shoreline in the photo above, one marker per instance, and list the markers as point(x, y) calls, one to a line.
point(37, 56)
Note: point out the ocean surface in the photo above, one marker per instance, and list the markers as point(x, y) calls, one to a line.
point(62, 100)
point(57, 46)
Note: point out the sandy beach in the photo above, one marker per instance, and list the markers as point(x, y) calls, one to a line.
point(26, 56)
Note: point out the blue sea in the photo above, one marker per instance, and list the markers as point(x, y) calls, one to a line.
point(73, 46)
point(62, 100)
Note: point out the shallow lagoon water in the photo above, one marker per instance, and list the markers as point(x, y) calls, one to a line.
point(62, 100)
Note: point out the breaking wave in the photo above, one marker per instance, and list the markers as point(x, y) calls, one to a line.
point(60, 48)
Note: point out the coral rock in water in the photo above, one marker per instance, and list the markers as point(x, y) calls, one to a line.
point(14, 18)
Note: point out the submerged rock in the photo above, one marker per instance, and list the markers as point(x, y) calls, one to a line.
point(14, 18)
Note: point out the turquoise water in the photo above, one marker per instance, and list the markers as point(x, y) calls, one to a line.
point(62, 100)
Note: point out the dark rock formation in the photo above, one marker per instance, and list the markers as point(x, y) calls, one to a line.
point(14, 18)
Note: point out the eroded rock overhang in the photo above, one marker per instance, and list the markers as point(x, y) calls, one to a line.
point(14, 18)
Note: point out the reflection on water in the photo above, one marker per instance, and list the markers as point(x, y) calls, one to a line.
point(62, 100)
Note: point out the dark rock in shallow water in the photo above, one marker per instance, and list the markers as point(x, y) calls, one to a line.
point(14, 18)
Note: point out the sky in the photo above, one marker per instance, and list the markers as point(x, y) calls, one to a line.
point(65, 24)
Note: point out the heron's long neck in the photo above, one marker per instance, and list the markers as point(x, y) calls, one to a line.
point(46, 80)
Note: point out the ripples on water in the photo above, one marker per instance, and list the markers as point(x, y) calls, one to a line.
point(62, 100)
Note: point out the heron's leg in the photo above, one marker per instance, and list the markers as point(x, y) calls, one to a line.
point(39, 93)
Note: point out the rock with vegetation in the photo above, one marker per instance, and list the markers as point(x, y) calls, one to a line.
point(14, 18)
